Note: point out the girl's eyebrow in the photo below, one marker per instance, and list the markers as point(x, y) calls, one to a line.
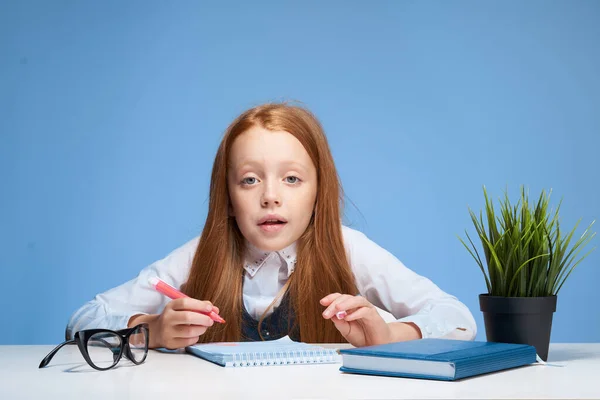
point(257, 164)
point(249, 163)
point(295, 164)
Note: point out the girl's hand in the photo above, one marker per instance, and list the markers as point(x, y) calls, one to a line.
point(363, 326)
point(179, 324)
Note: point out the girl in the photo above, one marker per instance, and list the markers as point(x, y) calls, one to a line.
point(274, 258)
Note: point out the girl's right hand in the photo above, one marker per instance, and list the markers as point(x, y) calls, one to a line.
point(179, 324)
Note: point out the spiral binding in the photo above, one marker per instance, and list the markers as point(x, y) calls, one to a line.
point(259, 359)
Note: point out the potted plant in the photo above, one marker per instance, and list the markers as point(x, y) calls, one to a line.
point(527, 260)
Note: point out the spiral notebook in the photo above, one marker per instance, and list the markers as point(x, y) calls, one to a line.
point(282, 351)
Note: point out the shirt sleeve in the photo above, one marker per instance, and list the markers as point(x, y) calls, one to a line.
point(389, 285)
point(112, 309)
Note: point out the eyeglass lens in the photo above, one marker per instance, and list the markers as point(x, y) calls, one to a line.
point(103, 349)
point(138, 344)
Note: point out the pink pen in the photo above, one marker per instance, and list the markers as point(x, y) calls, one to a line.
point(173, 293)
point(341, 314)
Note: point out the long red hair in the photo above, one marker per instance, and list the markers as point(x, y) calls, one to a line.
point(322, 265)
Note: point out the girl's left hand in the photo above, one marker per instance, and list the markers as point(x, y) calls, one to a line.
point(363, 326)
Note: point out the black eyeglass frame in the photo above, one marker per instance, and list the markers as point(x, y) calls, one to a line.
point(81, 339)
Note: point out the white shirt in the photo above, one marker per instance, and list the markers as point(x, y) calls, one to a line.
point(398, 292)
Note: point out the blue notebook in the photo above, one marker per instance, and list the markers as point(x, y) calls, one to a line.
point(282, 351)
point(440, 359)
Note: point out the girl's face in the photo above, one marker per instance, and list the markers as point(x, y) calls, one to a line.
point(272, 187)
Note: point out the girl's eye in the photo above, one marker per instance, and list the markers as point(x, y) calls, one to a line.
point(292, 179)
point(249, 181)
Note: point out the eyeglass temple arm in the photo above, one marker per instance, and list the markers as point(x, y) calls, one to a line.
point(48, 358)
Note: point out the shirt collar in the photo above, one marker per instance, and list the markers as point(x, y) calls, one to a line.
point(255, 258)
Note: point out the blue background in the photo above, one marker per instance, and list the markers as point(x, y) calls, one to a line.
point(111, 113)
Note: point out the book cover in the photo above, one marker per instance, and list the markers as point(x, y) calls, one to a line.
point(442, 359)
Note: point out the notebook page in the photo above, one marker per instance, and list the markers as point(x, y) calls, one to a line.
point(282, 351)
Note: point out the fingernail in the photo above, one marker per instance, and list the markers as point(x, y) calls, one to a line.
point(341, 314)
point(326, 313)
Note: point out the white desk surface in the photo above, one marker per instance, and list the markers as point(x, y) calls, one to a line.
point(183, 376)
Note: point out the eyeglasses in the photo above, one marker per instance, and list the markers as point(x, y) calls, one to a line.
point(103, 348)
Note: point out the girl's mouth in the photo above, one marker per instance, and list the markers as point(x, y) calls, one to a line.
point(272, 225)
point(272, 222)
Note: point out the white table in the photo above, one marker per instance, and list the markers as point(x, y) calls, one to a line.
point(183, 376)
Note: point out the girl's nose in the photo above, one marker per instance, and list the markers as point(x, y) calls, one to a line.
point(270, 197)
point(270, 200)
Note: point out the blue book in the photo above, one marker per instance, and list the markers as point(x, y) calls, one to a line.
point(440, 359)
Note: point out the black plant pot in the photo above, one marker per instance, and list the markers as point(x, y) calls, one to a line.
point(523, 320)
